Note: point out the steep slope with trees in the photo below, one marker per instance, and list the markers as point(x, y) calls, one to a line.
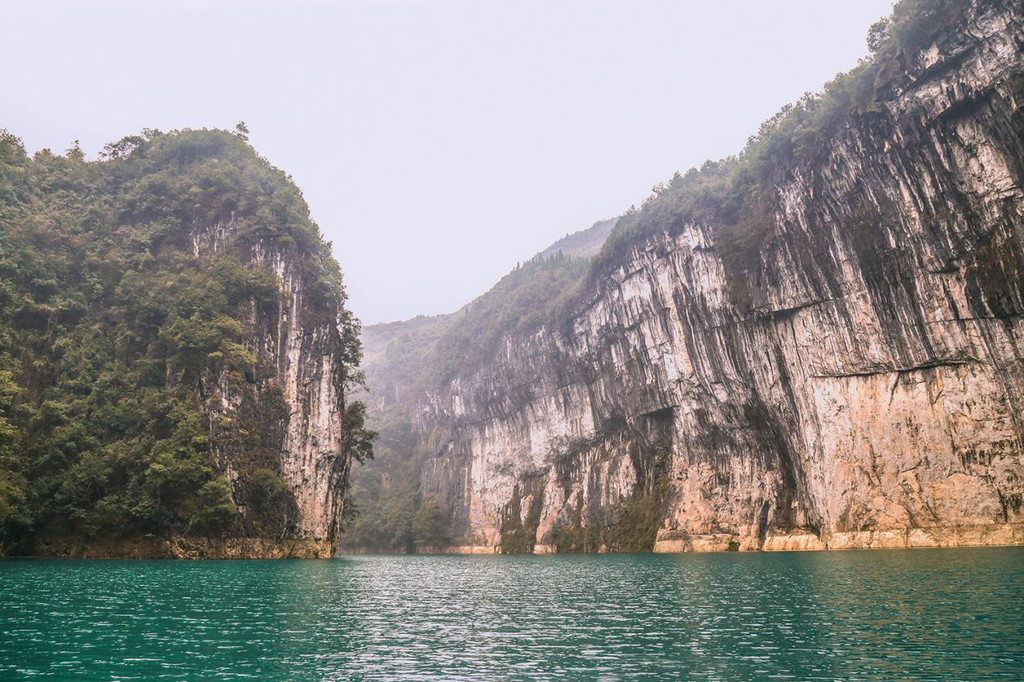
point(175, 355)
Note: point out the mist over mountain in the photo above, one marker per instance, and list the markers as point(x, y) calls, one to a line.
point(811, 344)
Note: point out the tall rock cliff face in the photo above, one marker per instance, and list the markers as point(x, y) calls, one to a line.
point(864, 388)
point(297, 401)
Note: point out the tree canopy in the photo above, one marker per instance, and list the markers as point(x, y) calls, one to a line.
point(113, 325)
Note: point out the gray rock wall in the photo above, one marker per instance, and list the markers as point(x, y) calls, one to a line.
point(291, 411)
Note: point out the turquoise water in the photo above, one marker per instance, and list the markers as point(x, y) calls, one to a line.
point(926, 614)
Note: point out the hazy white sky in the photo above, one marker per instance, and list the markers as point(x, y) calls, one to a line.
point(437, 141)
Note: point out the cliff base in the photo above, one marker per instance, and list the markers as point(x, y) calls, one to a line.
point(991, 535)
point(182, 548)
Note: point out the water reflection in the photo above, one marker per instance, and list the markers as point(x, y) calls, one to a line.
point(919, 614)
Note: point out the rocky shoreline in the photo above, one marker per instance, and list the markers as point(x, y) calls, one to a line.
point(990, 535)
point(182, 548)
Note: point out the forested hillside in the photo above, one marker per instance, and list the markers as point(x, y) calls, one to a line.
point(144, 318)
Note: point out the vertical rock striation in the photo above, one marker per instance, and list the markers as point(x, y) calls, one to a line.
point(867, 389)
point(296, 401)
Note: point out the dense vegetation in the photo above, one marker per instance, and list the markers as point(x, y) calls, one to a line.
point(387, 511)
point(113, 332)
point(426, 352)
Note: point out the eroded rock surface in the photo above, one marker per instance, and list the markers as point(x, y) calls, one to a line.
point(868, 392)
point(296, 404)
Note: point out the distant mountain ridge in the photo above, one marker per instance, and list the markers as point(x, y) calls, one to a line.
point(584, 243)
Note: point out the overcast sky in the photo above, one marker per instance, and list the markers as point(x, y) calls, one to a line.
point(438, 142)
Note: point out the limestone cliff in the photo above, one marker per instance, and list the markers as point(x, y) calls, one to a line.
point(858, 383)
point(298, 402)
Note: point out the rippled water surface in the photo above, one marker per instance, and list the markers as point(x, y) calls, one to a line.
point(927, 614)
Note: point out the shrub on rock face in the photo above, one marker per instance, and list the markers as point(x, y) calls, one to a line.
point(270, 505)
point(215, 508)
point(429, 525)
